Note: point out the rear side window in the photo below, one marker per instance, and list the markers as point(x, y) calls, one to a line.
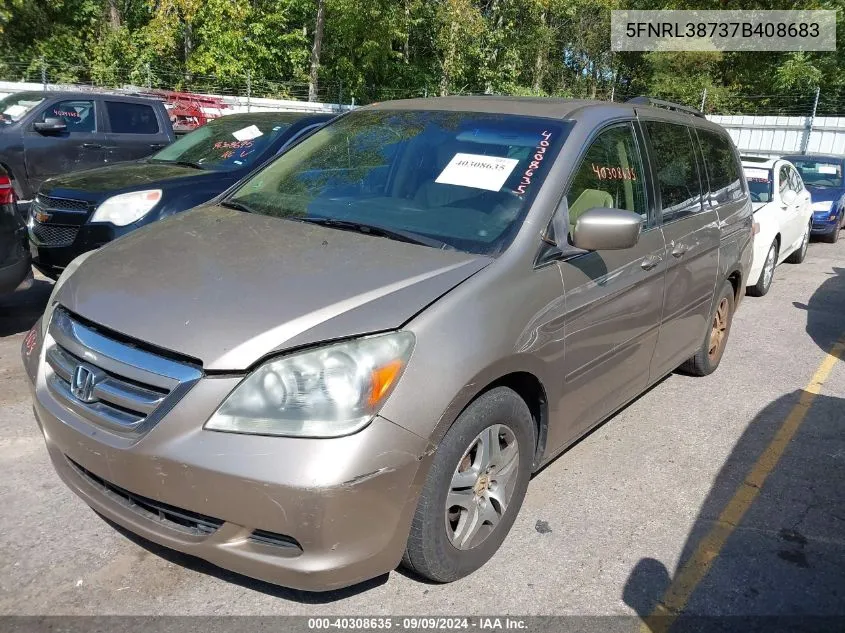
point(610, 176)
point(722, 167)
point(677, 169)
point(131, 118)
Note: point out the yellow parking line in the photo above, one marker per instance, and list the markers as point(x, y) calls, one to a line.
point(695, 569)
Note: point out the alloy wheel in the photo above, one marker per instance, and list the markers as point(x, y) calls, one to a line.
point(482, 486)
point(769, 267)
point(718, 333)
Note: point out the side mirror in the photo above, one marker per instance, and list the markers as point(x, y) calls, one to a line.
point(599, 229)
point(50, 125)
point(789, 197)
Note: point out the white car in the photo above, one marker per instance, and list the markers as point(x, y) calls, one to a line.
point(783, 212)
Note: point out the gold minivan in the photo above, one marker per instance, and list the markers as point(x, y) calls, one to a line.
point(359, 355)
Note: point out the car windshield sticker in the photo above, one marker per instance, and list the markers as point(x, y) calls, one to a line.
point(247, 133)
point(757, 175)
point(477, 171)
point(67, 114)
point(827, 169)
point(606, 172)
point(232, 144)
point(539, 154)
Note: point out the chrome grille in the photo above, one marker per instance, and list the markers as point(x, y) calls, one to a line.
point(109, 382)
point(54, 234)
point(61, 204)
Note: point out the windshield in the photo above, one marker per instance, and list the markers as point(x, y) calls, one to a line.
point(760, 183)
point(819, 173)
point(224, 144)
point(13, 107)
point(462, 179)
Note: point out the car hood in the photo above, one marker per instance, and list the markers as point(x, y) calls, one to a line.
point(93, 184)
point(227, 287)
point(823, 194)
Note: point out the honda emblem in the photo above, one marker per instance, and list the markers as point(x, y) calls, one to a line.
point(85, 378)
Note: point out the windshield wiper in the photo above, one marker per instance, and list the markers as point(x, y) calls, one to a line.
point(378, 231)
point(183, 163)
point(234, 204)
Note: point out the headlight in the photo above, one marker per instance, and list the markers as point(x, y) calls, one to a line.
point(822, 207)
point(51, 302)
point(127, 208)
point(326, 392)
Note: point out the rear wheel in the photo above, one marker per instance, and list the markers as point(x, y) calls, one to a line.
point(474, 489)
point(767, 274)
point(798, 255)
point(708, 357)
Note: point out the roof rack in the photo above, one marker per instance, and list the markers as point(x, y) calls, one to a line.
point(668, 105)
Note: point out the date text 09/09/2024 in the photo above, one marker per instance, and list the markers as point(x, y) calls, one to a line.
point(418, 623)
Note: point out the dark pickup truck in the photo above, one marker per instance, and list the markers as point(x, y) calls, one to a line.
point(43, 134)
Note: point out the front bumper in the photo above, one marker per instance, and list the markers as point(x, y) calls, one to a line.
point(16, 272)
point(52, 259)
point(329, 512)
point(825, 223)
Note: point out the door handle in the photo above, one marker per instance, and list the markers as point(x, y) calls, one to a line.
point(679, 251)
point(156, 145)
point(92, 146)
point(651, 262)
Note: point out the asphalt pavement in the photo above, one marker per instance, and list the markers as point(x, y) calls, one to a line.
point(717, 495)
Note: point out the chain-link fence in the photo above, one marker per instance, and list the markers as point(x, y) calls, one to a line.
point(58, 76)
point(713, 100)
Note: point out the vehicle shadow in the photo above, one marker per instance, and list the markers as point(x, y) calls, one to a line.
point(20, 310)
point(825, 310)
point(766, 550)
point(203, 567)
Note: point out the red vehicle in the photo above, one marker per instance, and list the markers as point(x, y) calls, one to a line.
point(189, 110)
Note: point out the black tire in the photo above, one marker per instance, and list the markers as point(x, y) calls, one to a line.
point(704, 363)
point(798, 256)
point(763, 283)
point(833, 236)
point(430, 552)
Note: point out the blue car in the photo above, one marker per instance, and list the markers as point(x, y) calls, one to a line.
point(823, 177)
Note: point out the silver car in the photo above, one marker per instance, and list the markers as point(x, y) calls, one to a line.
point(359, 355)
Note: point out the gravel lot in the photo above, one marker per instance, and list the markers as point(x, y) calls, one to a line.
point(604, 529)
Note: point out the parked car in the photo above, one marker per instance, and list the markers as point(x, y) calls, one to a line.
point(43, 134)
point(82, 211)
point(15, 268)
point(363, 351)
point(822, 175)
point(783, 212)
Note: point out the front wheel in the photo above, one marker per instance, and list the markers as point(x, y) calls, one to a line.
point(708, 357)
point(798, 255)
point(474, 489)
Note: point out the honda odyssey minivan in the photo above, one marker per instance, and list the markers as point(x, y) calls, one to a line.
point(361, 353)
